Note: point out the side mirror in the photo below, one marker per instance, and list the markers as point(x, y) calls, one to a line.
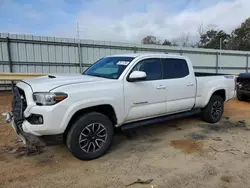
point(137, 76)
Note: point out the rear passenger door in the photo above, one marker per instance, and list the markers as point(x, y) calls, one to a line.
point(180, 84)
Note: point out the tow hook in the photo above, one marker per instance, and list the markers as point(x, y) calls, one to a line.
point(8, 117)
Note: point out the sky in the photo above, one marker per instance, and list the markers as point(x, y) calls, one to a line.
point(120, 20)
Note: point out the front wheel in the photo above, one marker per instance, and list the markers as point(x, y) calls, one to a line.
point(212, 113)
point(90, 136)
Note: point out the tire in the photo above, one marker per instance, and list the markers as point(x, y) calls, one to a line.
point(241, 97)
point(209, 114)
point(85, 140)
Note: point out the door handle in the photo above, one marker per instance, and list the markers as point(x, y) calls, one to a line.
point(161, 87)
point(190, 84)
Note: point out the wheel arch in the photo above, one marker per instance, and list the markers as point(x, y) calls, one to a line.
point(105, 109)
point(221, 93)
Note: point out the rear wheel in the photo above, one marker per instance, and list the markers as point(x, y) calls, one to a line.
point(90, 136)
point(212, 113)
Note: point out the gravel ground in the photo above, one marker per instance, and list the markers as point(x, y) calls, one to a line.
point(182, 153)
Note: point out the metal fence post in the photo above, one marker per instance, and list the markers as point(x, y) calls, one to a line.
point(135, 49)
point(10, 60)
point(79, 56)
point(217, 63)
point(247, 63)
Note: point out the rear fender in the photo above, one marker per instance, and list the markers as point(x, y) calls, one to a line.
point(210, 94)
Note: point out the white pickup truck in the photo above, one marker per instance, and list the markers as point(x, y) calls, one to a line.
point(125, 91)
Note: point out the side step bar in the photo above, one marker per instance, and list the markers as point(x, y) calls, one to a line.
point(160, 119)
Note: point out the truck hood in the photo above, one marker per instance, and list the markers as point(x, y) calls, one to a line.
point(50, 82)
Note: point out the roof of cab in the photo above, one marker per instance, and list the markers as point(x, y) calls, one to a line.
point(145, 54)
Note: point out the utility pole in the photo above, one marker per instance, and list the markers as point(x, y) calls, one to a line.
point(77, 32)
point(220, 52)
point(79, 47)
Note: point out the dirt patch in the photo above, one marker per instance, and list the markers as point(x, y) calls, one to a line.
point(237, 109)
point(22, 151)
point(44, 159)
point(217, 139)
point(227, 179)
point(208, 131)
point(223, 126)
point(2, 158)
point(198, 136)
point(188, 146)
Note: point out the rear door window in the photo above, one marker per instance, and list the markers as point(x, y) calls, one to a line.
point(174, 68)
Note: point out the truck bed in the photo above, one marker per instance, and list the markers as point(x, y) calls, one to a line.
point(205, 81)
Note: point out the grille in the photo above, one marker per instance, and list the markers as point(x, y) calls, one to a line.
point(18, 105)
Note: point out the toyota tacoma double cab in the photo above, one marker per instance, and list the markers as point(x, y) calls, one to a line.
point(119, 91)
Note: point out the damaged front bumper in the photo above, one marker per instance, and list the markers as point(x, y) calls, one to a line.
point(17, 117)
point(28, 139)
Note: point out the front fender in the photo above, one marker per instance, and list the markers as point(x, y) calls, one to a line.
point(89, 103)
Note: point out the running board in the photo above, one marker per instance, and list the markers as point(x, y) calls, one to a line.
point(160, 119)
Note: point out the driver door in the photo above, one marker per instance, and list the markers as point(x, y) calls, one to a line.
point(147, 98)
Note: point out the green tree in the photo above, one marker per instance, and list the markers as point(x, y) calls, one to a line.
point(150, 40)
point(213, 39)
point(241, 37)
point(167, 43)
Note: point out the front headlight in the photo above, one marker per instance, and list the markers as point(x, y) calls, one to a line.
point(48, 98)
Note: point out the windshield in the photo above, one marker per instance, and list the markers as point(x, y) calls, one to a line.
point(109, 67)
